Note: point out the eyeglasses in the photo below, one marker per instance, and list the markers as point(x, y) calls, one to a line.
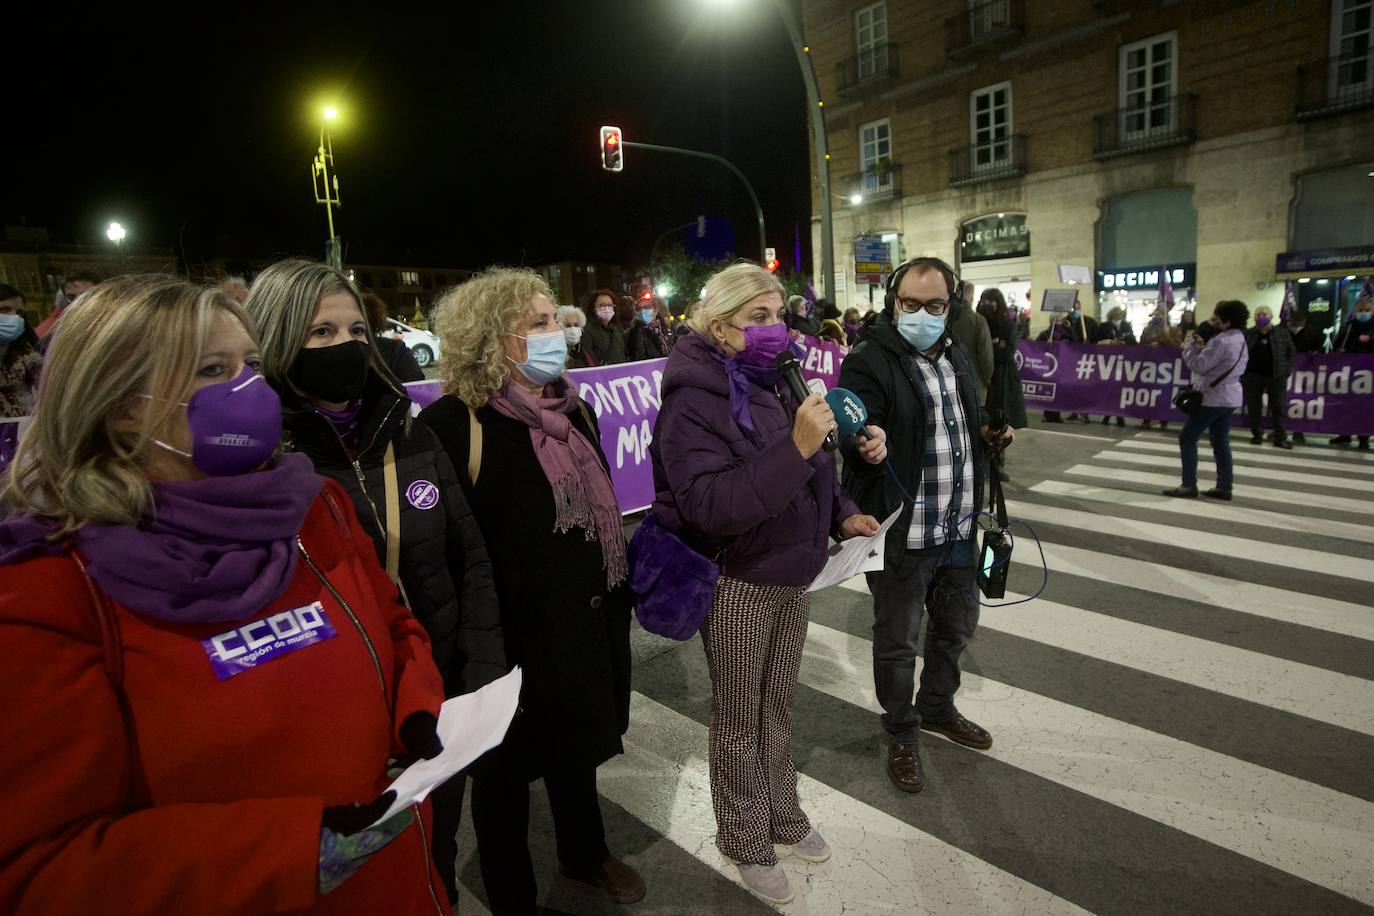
point(912, 306)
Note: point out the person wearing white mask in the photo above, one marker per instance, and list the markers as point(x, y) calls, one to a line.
point(573, 321)
point(603, 340)
point(528, 455)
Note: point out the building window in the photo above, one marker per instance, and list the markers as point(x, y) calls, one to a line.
point(1149, 74)
point(987, 17)
point(875, 156)
point(870, 40)
point(1352, 38)
point(990, 126)
point(410, 278)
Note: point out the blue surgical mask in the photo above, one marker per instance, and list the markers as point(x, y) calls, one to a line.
point(545, 356)
point(11, 326)
point(921, 329)
point(1362, 317)
point(646, 315)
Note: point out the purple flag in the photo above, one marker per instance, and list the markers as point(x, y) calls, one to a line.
point(1166, 292)
point(1290, 304)
point(1367, 291)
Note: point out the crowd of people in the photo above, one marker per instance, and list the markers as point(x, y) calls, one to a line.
point(240, 573)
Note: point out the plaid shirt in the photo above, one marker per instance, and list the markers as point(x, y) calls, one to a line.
point(947, 466)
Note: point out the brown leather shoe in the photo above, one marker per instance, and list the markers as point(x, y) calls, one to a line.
point(620, 882)
point(960, 731)
point(904, 766)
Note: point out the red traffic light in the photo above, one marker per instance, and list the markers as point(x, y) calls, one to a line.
point(646, 295)
point(612, 154)
point(773, 265)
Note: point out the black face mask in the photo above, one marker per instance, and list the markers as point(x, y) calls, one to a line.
point(335, 374)
point(1207, 330)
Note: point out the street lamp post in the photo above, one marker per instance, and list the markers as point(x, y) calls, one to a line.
point(817, 106)
point(322, 181)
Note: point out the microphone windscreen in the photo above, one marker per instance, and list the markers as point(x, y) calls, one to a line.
point(784, 359)
point(850, 412)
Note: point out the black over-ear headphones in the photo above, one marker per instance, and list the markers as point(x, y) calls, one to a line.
point(952, 281)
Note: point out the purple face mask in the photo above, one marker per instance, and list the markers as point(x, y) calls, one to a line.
point(235, 426)
point(1262, 320)
point(762, 344)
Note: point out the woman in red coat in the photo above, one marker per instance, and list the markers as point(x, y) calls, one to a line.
point(207, 668)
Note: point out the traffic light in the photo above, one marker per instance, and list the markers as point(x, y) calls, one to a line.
point(772, 265)
point(612, 156)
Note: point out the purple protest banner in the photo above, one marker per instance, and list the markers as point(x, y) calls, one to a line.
point(9, 439)
point(822, 360)
point(1327, 392)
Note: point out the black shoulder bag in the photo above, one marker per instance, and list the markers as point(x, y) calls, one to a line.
point(1189, 400)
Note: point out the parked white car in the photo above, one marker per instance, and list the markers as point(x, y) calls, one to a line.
point(423, 345)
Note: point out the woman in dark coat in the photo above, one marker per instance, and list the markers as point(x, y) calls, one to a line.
point(342, 407)
point(739, 472)
point(20, 359)
point(646, 338)
point(1270, 362)
point(1357, 336)
point(532, 468)
point(1004, 392)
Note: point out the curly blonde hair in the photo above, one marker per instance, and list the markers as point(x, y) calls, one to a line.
point(471, 319)
point(127, 337)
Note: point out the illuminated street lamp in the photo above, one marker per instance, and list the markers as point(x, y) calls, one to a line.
point(856, 199)
point(326, 186)
point(115, 233)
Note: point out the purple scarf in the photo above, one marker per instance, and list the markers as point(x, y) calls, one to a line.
point(582, 493)
point(216, 550)
point(740, 377)
point(345, 422)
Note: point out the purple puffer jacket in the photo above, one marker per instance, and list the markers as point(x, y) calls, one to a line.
point(720, 485)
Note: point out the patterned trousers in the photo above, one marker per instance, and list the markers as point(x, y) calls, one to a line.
point(754, 636)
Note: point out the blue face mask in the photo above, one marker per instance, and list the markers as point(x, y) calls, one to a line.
point(646, 315)
point(921, 329)
point(545, 356)
point(1363, 317)
point(11, 326)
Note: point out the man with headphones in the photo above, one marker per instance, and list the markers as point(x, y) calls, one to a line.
point(922, 394)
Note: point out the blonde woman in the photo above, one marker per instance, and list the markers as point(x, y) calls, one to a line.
point(343, 409)
point(528, 451)
point(740, 474)
point(207, 671)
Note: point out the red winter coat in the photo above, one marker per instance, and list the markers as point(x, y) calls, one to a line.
point(184, 793)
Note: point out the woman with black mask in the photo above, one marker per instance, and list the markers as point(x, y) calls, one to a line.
point(342, 407)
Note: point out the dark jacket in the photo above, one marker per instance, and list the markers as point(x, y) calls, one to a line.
point(717, 484)
point(804, 324)
point(602, 344)
point(1308, 339)
point(443, 564)
point(1106, 332)
point(399, 359)
point(577, 358)
point(971, 330)
point(1004, 391)
point(1280, 347)
point(1354, 337)
point(643, 342)
point(882, 372)
point(562, 625)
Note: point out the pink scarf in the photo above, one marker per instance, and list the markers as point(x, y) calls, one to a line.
point(582, 493)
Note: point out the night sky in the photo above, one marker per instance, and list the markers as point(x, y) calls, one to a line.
point(464, 140)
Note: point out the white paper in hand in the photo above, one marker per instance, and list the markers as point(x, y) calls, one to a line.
point(469, 726)
point(857, 555)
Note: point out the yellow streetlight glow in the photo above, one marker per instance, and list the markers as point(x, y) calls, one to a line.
point(331, 113)
point(856, 199)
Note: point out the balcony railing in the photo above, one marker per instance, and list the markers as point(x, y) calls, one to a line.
point(986, 25)
point(870, 67)
point(1154, 125)
point(989, 161)
point(875, 184)
point(1335, 84)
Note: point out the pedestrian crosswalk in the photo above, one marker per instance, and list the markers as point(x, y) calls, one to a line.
point(1183, 722)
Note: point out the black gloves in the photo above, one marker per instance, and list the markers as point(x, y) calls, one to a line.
point(419, 735)
point(345, 820)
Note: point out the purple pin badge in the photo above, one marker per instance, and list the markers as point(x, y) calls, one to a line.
point(422, 494)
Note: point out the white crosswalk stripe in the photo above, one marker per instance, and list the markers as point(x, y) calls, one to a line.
point(1241, 440)
point(1284, 496)
point(879, 862)
point(1277, 819)
point(1199, 508)
point(1255, 456)
point(1330, 481)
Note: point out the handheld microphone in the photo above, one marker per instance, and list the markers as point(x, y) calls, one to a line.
point(790, 372)
point(851, 416)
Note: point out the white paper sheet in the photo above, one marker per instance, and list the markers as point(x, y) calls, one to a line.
point(854, 556)
point(469, 726)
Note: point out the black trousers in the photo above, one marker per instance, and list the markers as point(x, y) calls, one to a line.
point(448, 816)
point(501, 819)
point(1255, 387)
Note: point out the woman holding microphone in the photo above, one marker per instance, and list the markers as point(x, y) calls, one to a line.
point(739, 473)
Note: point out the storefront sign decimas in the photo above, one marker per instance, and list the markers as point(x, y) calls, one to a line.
point(998, 235)
point(1327, 392)
point(1181, 276)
